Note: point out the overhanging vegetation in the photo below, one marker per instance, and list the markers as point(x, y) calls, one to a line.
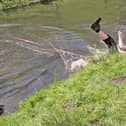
point(6, 4)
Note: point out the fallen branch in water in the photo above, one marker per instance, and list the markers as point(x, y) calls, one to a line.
point(24, 40)
point(60, 50)
point(71, 65)
point(57, 50)
point(39, 49)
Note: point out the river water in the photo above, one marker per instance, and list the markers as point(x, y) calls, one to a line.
point(26, 67)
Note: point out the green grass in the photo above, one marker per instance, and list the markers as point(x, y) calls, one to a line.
point(87, 98)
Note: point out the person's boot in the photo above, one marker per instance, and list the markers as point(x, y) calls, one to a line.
point(96, 25)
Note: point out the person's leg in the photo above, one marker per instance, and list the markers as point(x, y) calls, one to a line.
point(109, 41)
point(102, 35)
point(121, 44)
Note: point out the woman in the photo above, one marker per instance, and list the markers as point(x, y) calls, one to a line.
point(108, 40)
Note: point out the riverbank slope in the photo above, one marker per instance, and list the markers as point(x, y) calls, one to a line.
point(94, 96)
point(8, 4)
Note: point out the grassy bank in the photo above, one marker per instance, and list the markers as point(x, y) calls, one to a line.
point(7, 4)
point(94, 96)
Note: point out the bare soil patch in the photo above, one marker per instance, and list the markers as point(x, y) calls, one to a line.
point(119, 80)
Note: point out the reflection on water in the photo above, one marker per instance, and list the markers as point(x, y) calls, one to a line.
point(24, 67)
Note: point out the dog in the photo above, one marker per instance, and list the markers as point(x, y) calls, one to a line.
point(78, 65)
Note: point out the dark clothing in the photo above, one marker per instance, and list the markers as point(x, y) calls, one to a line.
point(111, 44)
